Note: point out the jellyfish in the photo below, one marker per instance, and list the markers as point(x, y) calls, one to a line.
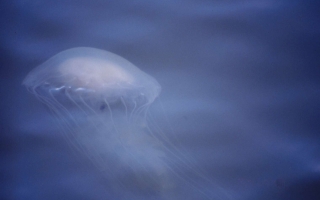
point(101, 102)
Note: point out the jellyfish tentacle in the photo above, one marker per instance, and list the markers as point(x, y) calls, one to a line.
point(120, 140)
point(53, 107)
point(74, 133)
point(126, 108)
point(132, 112)
point(97, 130)
point(178, 154)
point(100, 120)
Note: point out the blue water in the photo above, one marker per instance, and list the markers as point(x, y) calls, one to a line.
point(240, 91)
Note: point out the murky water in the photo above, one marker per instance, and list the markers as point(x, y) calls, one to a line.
point(239, 105)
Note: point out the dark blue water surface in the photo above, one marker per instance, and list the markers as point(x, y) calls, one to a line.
point(240, 97)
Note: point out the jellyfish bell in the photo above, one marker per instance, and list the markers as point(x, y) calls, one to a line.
point(93, 73)
point(101, 103)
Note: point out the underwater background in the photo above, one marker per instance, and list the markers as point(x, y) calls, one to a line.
point(240, 88)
